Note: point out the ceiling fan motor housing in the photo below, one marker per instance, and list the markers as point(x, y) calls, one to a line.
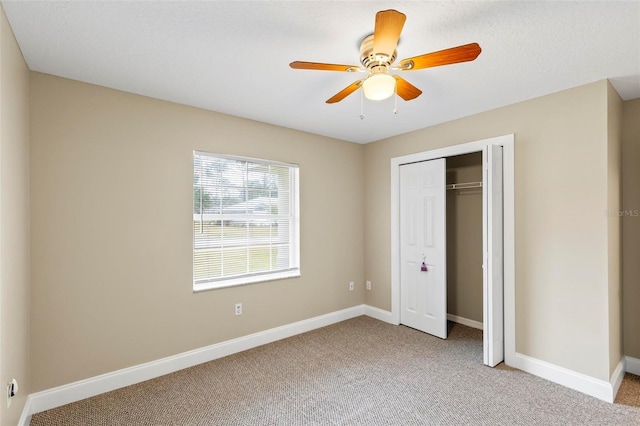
point(370, 59)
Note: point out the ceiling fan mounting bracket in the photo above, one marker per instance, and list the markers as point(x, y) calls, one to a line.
point(370, 59)
point(405, 66)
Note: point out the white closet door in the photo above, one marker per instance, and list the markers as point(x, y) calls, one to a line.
point(423, 239)
point(493, 315)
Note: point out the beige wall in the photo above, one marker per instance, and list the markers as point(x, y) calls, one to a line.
point(631, 227)
point(464, 238)
point(111, 189)
point(614, 182)
point(14, 223)
point(561, 186)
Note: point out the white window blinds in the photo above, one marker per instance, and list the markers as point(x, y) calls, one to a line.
point(245, 220)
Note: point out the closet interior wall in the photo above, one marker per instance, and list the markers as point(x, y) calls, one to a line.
point(464, 238)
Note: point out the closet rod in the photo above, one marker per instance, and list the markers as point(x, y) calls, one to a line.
point(466, 185)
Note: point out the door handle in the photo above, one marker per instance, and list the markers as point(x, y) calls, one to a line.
point(423, 267)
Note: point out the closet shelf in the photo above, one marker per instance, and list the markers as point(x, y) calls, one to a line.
point(465, 185)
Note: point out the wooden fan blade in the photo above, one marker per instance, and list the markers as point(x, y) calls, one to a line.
point(454, 55)
point(406, 90)
point(345, 92)
point(389, 25)
point(299, 65)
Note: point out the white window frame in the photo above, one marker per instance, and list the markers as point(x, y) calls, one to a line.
point(294, 231)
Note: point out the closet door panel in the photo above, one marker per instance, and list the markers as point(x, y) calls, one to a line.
point(423, 247)
point(493, 279)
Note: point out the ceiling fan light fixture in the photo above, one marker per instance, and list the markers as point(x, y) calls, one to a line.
point(379, 86)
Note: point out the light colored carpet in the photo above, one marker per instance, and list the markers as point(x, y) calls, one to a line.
point(629, 392)
point(358, 372)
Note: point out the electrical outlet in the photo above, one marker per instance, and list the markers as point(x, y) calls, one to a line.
point(238, 308)
point(351, 285)
point(12, 390)
point(368, 285)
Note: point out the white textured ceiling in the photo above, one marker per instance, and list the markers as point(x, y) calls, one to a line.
point(233, 56)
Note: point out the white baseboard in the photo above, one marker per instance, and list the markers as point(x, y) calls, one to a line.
point(600, 389)
point(55, 397)
point(632, 365)
point(379, 314)
point(616, 378)
point(25, 418)
point(465, 321)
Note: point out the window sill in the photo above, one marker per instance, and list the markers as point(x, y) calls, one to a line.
point(234, 282)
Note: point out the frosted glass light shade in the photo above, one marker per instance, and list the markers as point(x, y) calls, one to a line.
point(379, 86)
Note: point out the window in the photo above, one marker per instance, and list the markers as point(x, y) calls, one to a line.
point(245, 221)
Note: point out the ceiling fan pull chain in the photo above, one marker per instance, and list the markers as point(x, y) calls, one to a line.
point(361, 105)
point(395, 99)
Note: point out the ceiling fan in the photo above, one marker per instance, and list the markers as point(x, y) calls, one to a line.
point(377, 54)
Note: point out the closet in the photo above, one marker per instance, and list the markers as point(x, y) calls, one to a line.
point(452, 239)
point(464, 239)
